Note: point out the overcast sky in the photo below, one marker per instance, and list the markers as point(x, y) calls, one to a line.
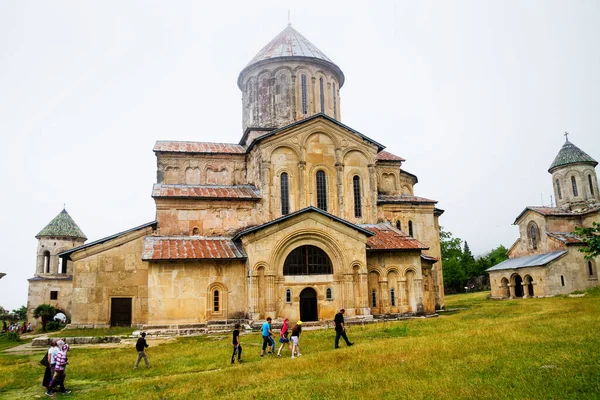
point(475, 95)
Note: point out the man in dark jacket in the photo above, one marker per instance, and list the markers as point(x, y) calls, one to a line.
point(140, 346)
point(340, 329)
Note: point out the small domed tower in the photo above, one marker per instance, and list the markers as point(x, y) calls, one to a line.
point(289, 80)
point(574, 177)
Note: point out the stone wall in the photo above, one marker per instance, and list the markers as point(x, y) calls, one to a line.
point(39, 293)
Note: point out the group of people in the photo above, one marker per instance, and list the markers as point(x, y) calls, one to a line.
point(16, 327)
point(293, 342)
point(56, 362)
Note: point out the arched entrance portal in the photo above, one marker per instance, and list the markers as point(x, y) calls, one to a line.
point(308, 305)
point(518, 286)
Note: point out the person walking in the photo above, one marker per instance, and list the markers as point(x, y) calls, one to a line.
point(58, 379)
point(296, 331)
point(237, 347)
point(283, 336)
point(140, 346)
point(49, 371)
point(267, 335)
point(340, 329)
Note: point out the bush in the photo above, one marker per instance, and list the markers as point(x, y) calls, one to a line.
point(53, 326)
point(12, 336)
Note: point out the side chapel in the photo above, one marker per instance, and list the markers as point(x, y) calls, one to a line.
point(302, 217)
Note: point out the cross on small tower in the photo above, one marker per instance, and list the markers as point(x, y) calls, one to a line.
point(566, 136)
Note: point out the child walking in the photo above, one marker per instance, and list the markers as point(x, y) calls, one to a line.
point(283, 336)
point(237, 347)
point(296, 331)
point(140, 346)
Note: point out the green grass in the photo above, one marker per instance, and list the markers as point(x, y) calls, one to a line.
point(533, 349)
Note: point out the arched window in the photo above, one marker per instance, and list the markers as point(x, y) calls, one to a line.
point(533, 237)
point(304, 94)
point(216, 301)
point(357, 202)
point(307, 260)
point(288, 295)
point(328, 294)
point(591, 185)
point(322, 190)
point(285, 199)
point(47, 262)
point(63, 265)
point(393, 297)
point(558, 191)
point(410, 228)
point(562, 280)
point(195, 231)
point(590, 268)
point(334, 103)
point(322, 95)
point(374, 298)
point(399, 225)
point(575, 194)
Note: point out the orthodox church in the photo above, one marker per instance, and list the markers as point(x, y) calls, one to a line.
point(304, 216)
point(546, 260)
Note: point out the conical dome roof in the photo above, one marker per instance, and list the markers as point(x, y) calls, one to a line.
point(62, 226)
point(571, 154)
point(291, 44)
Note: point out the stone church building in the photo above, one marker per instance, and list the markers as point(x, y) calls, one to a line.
point(546, 260)
point(302, 217)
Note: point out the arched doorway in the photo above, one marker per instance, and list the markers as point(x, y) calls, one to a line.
point(529, 283)
point(505, 290)
point(308, 305)
point(518, 282)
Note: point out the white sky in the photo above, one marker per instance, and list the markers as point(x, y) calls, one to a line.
point(475, 95)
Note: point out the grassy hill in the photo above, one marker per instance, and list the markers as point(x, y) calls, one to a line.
point(533, 348)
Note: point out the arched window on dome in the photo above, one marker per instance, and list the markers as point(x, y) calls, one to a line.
point(357, 200)
point(322, 190)
point(574, 183)
point(285, 191)
point(334, 102)
point(322, 95)
point(558, 191)
point(591, 185)
point(304, 94)
point(47, 262)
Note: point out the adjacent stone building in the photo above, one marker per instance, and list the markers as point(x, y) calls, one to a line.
point(546, 260)
point(302, 217)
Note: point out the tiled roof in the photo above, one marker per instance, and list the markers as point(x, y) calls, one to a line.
point(387, 156)
point(429, 258)
point(565, 237)
point(538, 260)
point(387, 238)
point(559, 212)
point(239, 192)
point(62, 226)
point(190, 248)
point(198, 147)
point(571, 154)
point(404, 198)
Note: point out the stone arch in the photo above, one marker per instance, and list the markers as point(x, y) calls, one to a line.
point(374, 290)
point(283, 93)
point(192, 176)
point(216, 297)
point(370, 158)
point(410, 291)
point(171, 175)
point(306, 140)
point(216, 174)
point(528, 288)
point(504, 289)
point(331, 192)
point(293, 148)
point(575, 188)
point(533, 235)
point(517, 282)
point(393, 279)
point(388, 182)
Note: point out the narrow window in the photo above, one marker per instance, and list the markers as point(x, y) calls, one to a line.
point(328, 294)
point(575, 194)
point(533, 237)
point(374, 298)
point(590, 268)
point(195, 231)
point(47, 262)
point(53, 295)
point(63, 269)
point(304, 95)
point(216, 301)
point(393, 297)
point(591, 185)
point(322, 95)
point(288, 295)
point(410, 228)
point(357, 204)
point(562, 280)
point(334, 103)
point(399, 225)
point(322, 190)
point(558, 191)
point(285, 199)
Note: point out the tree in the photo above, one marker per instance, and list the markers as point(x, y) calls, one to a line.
point(21, 313)
point(46, 312)
point(454, 274)
point(468, 262)
point(591, 239)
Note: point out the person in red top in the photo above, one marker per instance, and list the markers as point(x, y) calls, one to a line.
point(283, 337)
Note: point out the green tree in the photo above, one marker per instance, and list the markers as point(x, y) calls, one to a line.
point(46, 312)
point(468, 262)
point(591, 240)
point(454, 274)
point(21, 313)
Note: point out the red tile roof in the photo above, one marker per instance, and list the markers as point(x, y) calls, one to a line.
point(405, 198)
point(198, 147)
point(388, 238)
point(241, 192)
point(558, 211)
point(190, 248)
point(387, 156)
point(565, 237)
point(429, 258)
